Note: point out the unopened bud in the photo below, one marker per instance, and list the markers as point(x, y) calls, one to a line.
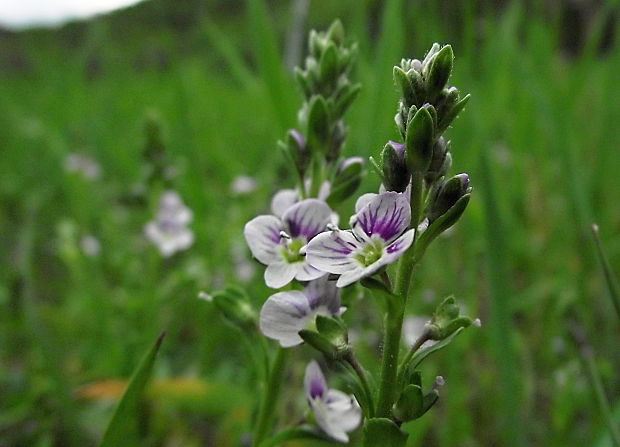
point(396, 176)
point(447, 195)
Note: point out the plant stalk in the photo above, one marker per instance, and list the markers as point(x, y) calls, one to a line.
point(271, 394)
point(391, 341)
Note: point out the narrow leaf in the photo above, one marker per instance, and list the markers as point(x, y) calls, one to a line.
point(120, 426)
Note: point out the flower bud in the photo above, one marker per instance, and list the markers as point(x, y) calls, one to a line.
point(396, 176)
point(447, 195)
point(318, 125)
point(346, 181)
point(419, 140)
point(446, 320)
point(295, 149)
point(235, 306)
point(438, 166)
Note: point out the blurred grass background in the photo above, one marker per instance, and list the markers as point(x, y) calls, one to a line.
point(539, 139)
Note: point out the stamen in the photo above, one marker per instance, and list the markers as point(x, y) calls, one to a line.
point(332, 227)
point(284, 235)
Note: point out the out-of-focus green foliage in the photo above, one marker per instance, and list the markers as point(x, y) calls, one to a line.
point(82, 291)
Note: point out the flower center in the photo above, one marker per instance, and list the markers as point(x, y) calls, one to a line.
point(290, 252)
point(370, 254)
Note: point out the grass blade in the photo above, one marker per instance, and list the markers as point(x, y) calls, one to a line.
point(610, 277)
point(120, 424)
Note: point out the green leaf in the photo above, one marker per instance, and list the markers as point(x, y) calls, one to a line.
point(303, 432)
point(328, 66)
point(383, 432)
point(451, 115)
point(406, 87)
point(440, 225)
point(345, 97)
point(440, 70)
point(320, 343)
point(122, 425)
point(410, 404)
point(422, 354)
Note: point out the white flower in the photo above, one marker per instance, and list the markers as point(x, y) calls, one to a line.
point(284, 314)
point(169, 231)
point(242, 184)
point(277, 242)
point(90, 245)
point(335, 412)
point(379, 235)
point(82, 164)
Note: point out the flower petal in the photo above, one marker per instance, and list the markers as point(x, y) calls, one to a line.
point(263, 237)
point(307, 218)
point(279, 273)
point(323, 293)
point(314, 381)
point(388, 215)
point(344, 410)
point(283, 200)
point(329, 251)
point(364, 200)
point(399, 246)
point(283, 315)
point(336, 414)
point(391, 253)
point(306, 272)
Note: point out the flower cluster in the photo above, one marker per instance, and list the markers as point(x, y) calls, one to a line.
point(169, 231)
point(310, 259)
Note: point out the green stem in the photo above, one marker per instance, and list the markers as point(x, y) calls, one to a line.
point(271, 394)
point(415, 348)
point(391, 340)
point(361, 373)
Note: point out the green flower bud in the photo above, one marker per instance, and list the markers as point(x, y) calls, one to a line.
point(447, 195)
point(235, 306)
point(438, 166)
point(346, 181)
point(318, 125)
point(446, 320)
point(396, 176)
point(419, 140)
point(335, 33)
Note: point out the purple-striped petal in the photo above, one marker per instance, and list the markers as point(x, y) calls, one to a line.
point(307, 218)
point(306, 272)
point(331, 251)
point(399, 246)
point(263, 237)
point(279, 273)
point(388, 215)
point(314, 382)
point(390, 254)
point(364, 200)
point(323, 292)
point(283, 315)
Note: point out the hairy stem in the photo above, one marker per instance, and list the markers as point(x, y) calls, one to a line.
point(391, 340)
point(271, 394)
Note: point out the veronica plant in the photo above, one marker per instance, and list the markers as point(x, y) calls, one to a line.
point(306, 253)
